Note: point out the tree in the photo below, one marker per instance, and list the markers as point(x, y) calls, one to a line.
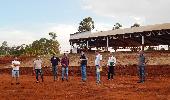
point(117, 26)
point(53, 35)
point(86, 25)
point(4, 49)
point(135, 25)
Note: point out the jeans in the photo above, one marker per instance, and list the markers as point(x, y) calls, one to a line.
point(64, 71)
point(111, 72)
point(142, 73)
point(15, 73)
point(97, 74)
point(37, 72)
point(83, 72)
point(55, 71)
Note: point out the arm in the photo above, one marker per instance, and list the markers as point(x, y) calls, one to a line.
point(114, 60)
point(68, 61)
point(33, 65)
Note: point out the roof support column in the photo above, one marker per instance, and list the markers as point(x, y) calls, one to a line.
point(107, 43)
point(143, 42)
point(87, 44)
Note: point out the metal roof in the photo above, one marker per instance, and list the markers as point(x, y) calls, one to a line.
point(120, 31)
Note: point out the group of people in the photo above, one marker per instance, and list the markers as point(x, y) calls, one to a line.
point(37, 67)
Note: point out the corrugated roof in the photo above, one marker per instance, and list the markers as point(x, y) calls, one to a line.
point(121, 31)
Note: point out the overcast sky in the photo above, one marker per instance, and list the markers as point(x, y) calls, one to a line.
point(23, 21)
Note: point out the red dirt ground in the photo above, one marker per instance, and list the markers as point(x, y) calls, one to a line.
point(121, 88)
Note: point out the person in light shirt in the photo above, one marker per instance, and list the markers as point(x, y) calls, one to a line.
point(97, 64)
point(111, 65)
point(15, 70)
point(38, 68)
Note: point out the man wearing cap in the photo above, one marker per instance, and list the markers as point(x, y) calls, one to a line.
point(15, 70)
point(38, 68)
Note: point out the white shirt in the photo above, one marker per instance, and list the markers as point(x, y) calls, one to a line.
point(97, 60)
point(15, 63)
point(112, 59)
point(38, 64)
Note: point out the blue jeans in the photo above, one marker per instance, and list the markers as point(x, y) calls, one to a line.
point(97, 74)
point(15, 73)
point(64, 71)
point(83, 72)
point(37, 72)
point(142, 73)
point(55, 71)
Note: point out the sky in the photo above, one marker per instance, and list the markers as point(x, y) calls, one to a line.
point(23, 21)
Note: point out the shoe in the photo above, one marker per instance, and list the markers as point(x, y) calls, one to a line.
point(67, 80)
point(62, 79)
point(98, 82)
point(140, 82)
point(17, 83)
point(37, 81)
point(83, 80)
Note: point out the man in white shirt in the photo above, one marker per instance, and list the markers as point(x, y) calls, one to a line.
point(111, 65)
point(38, 68)
point(15, 70)
point(97, 64)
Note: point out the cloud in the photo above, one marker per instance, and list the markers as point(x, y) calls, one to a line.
point(63, 34)
point(26, 35)
point(16, 37)
point(146, 11)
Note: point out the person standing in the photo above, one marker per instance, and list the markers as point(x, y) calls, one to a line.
point(83, 63)
point(65, 64)
point(97, 64)
point(15, 70)
point(111, 66)
point(55, 61)
point(38, 68)
point(141, 67)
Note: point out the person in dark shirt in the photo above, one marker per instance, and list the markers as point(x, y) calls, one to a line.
point(65, 64)
point(55, 61)
point(83, 64)
point(141, 67)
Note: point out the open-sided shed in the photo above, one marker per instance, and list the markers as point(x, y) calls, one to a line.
point(151, 35)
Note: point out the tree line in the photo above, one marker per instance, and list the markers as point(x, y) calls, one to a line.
point(42, 46)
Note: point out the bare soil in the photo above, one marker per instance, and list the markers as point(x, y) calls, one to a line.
point(121, 88)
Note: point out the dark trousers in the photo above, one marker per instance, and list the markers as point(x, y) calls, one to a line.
point(37, 72)
point(142, 73)
point(55, 72)
point(111, 72)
